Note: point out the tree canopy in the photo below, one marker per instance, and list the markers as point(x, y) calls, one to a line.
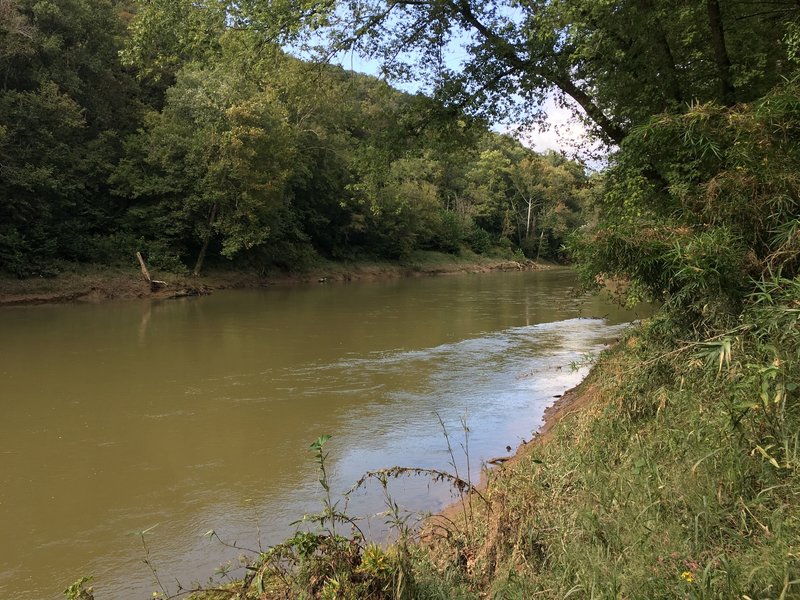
point(188, 130)
point(619, 61)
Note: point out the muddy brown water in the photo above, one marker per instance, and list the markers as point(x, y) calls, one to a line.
point(197, 414)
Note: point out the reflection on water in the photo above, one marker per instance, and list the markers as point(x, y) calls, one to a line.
point(197, 414)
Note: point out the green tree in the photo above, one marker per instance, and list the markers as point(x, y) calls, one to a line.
point(516, 194)
point(65, 102)
point(212, 166)
point(165, 35)
point(490, 193)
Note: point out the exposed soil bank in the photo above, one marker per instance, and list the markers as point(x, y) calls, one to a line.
point(100, 284)
point(572, 401)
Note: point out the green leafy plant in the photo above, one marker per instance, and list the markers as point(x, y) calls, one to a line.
point(79, 590)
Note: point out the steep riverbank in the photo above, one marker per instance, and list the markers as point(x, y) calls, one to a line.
point(97, 284)
point(640, 485)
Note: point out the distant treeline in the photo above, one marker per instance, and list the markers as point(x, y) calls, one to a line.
point(221, 146)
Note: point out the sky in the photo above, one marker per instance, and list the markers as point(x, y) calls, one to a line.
point(563, 131)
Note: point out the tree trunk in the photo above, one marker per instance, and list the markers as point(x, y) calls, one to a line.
point(727, 90)
point(528, 222)
point(539, 248)
point(143, 267)
point(668, 71)
point(672, 84)
point(206, 240)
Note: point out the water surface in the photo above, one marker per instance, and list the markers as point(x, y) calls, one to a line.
point(197, 414)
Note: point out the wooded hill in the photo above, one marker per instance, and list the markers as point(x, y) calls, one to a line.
point(125, 128)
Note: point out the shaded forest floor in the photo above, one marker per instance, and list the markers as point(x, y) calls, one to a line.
point(90, 283)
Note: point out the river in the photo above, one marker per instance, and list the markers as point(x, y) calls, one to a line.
point(197, 414)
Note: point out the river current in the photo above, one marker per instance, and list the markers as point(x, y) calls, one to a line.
point(192, 415)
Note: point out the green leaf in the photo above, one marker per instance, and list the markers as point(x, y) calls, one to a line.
point(320, 442)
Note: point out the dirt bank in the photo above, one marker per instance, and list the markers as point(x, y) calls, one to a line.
point(571, 401)
point(98, 285)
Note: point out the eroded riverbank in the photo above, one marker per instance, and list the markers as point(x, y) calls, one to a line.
point(92, 285)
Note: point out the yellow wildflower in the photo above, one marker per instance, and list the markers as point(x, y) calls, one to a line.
point(687, 576)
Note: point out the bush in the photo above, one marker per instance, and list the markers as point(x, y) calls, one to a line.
point(479, 240)
point(700, 205)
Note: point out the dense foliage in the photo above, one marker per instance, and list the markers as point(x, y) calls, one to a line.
point(165, 128)
point(717, 222)
point(65, 104)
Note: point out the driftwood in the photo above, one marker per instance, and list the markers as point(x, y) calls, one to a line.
point(143, 266)
point(155, 284)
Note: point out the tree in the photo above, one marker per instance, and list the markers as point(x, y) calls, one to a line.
point(517, 194)
point(620, 62)
point(212, 166)
point(167, 34)
point(65, 101)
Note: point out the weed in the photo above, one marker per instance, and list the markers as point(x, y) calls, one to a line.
point(79, 591)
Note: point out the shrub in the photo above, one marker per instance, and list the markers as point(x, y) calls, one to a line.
point(701, 205)
point(479, 240)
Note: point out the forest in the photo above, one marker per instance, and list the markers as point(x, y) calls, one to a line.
point(163, 128)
